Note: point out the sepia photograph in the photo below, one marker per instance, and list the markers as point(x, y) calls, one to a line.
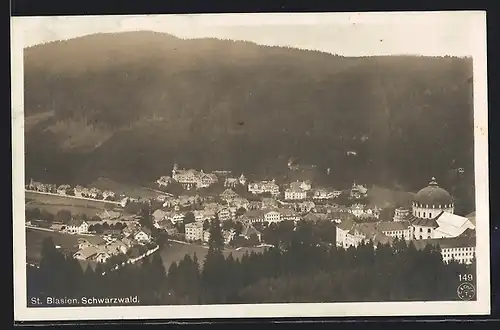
point(250, 165)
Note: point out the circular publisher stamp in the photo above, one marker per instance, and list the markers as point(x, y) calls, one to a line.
point(466, 291)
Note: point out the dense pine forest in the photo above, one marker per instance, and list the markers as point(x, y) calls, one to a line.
point(302, 270)
point(128, 106)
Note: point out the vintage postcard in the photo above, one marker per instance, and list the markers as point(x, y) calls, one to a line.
point(250, 165)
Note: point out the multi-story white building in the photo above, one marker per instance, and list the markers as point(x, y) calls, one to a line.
point(357, 210)
point(77, 226)
point(461, 249)
point(108, 194)
point(224, 214)
point(295, 194)
point(322, 194)
point(272, 216)
point(349, 234)
point(175, 217)
point(194, 231)
point(230, 182)
point(143, 235)
point(228, 195)
point(288, 215)
point(206, 180)
point(253, 216)
point(264, 186)
point(401, 214)
point(399, 229)
point(192, 178)
point(358, 191)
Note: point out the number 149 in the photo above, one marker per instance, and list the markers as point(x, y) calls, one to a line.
point(465, 277)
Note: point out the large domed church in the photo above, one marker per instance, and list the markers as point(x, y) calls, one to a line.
point(430, 201)
point(433, 215)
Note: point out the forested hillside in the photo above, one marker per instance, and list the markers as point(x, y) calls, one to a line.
point(129, 105)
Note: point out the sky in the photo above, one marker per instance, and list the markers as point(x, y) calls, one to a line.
point(347, 34)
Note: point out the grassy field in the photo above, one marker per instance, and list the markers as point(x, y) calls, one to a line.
point(53, 204)
point(383, 197)
point(175, 252)
point(65, 200)
point(56, 208)
point(125, 189)
point(34, 239)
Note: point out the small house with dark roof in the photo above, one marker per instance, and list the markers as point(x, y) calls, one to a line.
point(87, 253)
point(228, 195)
point(350, 233)
point(288, 214)
point(62, 189)
point(250, 230)
point(159, 215)
point(102, 257)
point(254, 216)
point(116, 247)
point(399, 229)
point(77, 226)
point(89, 241)
point(143, 235)
point(460, 249)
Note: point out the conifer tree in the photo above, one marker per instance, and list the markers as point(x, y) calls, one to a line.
point(172, 275)
point(212, 276)
point(100, 287)
point(88, 281)
point(52, 269)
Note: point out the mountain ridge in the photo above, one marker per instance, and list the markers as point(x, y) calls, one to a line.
point(130, 105)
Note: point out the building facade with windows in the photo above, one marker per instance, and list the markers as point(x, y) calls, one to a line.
point(194, 231)
point(461, 249)
point(401, 214)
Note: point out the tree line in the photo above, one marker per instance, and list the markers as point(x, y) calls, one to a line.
point(408, 118)
point(302, 269)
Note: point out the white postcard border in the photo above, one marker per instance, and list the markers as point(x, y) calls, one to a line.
point(479, 307)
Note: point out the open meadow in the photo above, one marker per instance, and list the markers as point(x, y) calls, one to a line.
point(124, 189)
point(54, 203)
point(35, 237)
point(383, 197)
point(174, 252)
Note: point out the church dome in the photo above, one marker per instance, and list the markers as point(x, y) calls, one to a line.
point(433, 195)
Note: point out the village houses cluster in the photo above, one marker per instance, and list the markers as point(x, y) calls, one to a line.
point(67, 190)
point(431, 218)
point(100, 249)
point(131, 239)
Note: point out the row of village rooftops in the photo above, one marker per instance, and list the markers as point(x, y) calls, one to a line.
point(428, 203)
point(299, 190)
point(412, 224)
point(66, 189)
